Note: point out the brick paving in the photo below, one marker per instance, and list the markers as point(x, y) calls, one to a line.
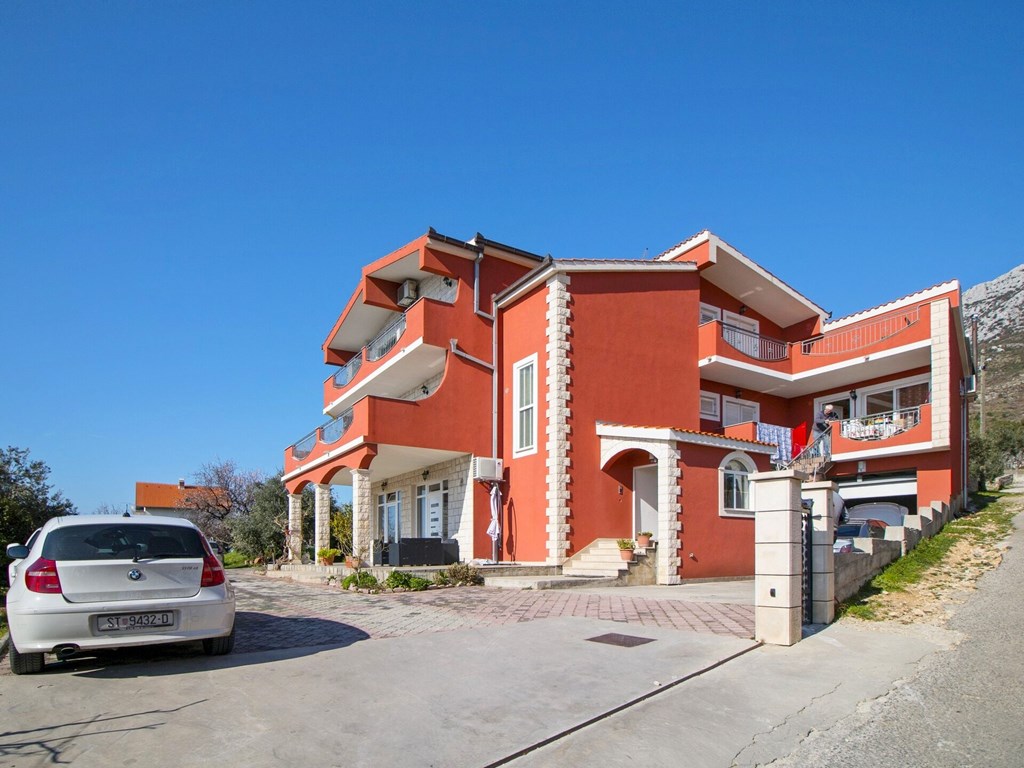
point(278, 614)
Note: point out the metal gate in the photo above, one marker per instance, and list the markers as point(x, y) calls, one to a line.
point(807, 580)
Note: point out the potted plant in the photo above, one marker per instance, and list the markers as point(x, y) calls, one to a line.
point(626, 547)
point(326, 555)
point(643, 539)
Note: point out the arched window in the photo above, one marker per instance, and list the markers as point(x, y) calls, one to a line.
point(736, 469)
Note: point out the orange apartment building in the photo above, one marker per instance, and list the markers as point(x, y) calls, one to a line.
point(604, 397)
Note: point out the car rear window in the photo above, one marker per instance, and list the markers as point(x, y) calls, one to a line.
point(113, 541)
point(848, 530)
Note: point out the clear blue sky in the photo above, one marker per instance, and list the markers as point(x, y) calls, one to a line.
point(187, 189)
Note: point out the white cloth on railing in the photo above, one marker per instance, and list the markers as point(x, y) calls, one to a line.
point(782, 437)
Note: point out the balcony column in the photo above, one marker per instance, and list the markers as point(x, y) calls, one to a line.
point(294, 542)
point(362, 513)
point(322, 529)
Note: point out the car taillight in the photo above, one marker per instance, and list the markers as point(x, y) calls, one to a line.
point(213, 571)
point(42, 576)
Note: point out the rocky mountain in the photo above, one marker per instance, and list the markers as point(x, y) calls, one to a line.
point(998, 306)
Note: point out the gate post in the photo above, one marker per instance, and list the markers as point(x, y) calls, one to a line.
point(823, 572)
point(777, 556)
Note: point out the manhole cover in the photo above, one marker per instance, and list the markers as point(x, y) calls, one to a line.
point(626, 641)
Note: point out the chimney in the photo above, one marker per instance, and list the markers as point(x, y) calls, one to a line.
point(181, 483)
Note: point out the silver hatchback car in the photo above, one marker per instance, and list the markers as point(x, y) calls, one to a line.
point(86, 583)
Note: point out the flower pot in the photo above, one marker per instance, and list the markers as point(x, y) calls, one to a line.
point(352, 561)
point(627, 554)
point(327, 560)
point(643, 541)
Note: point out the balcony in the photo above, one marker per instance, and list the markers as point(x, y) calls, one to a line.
point(878, 348)
point(319, 442)
point(409, 349)
point(886, 432)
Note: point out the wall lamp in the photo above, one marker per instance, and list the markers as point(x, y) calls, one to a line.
point(743, 309)
point(426, 474)
point(424, 390)
point(738, 393)
point(384, 485)
point(447, 281)
point(853, 395)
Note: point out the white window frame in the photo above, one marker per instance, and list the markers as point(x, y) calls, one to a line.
point(710, 310)
point(750, 467)
point(715, 401)
point(518, 448)
point(892, 386)
point(859, 406)
point(726, 400)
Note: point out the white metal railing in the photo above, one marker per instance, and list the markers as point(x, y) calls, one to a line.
point(862, 335)
point(385, 340)
point(879, 426)
point(818, 452)
point(348, 371)
point(754, 344)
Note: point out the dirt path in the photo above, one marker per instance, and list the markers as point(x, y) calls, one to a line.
point(947, 585)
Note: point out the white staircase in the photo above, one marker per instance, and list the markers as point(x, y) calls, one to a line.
point(599, 558)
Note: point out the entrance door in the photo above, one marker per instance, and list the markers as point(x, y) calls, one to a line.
point(645, 498)
point(430, 523)
point(742, 333)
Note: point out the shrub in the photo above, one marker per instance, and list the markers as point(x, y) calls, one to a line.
point(362, 579)
point(418, 583)
point(398, 580)
point(460, 574)
point(235, 560)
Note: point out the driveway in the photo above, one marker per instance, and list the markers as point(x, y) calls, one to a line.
point(275, 613)
point(459, 677)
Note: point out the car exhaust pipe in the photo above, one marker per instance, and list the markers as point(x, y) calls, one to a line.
point(65, 651)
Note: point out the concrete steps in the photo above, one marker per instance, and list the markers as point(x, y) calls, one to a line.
point(600, 558)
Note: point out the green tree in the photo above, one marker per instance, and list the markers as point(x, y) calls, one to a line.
point(341, 527)
point(26, 498)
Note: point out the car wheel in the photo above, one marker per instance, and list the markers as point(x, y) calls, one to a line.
point(24, 663)
point(218, 646)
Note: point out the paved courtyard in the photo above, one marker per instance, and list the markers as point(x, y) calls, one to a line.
point(278, 613)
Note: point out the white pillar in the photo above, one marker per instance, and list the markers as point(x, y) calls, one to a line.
point(322, 528)
point(823, 572)
point(294, 542)
point(362, 513)
point(777, 566)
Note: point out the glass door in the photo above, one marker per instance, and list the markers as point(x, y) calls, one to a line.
point(388, 513)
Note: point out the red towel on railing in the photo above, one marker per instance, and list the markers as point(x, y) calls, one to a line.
point(799, 438)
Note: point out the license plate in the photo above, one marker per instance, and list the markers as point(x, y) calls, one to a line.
point(131, 622)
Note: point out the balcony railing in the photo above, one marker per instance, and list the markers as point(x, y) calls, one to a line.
point(348, 371)
point(374, 350)
point(879, 426)
point(385, 340)
point(754, 344)
point(859, 336)
point(329, 433)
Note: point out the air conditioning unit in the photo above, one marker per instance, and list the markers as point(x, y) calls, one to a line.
point(407, 293)
point(487, 469)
